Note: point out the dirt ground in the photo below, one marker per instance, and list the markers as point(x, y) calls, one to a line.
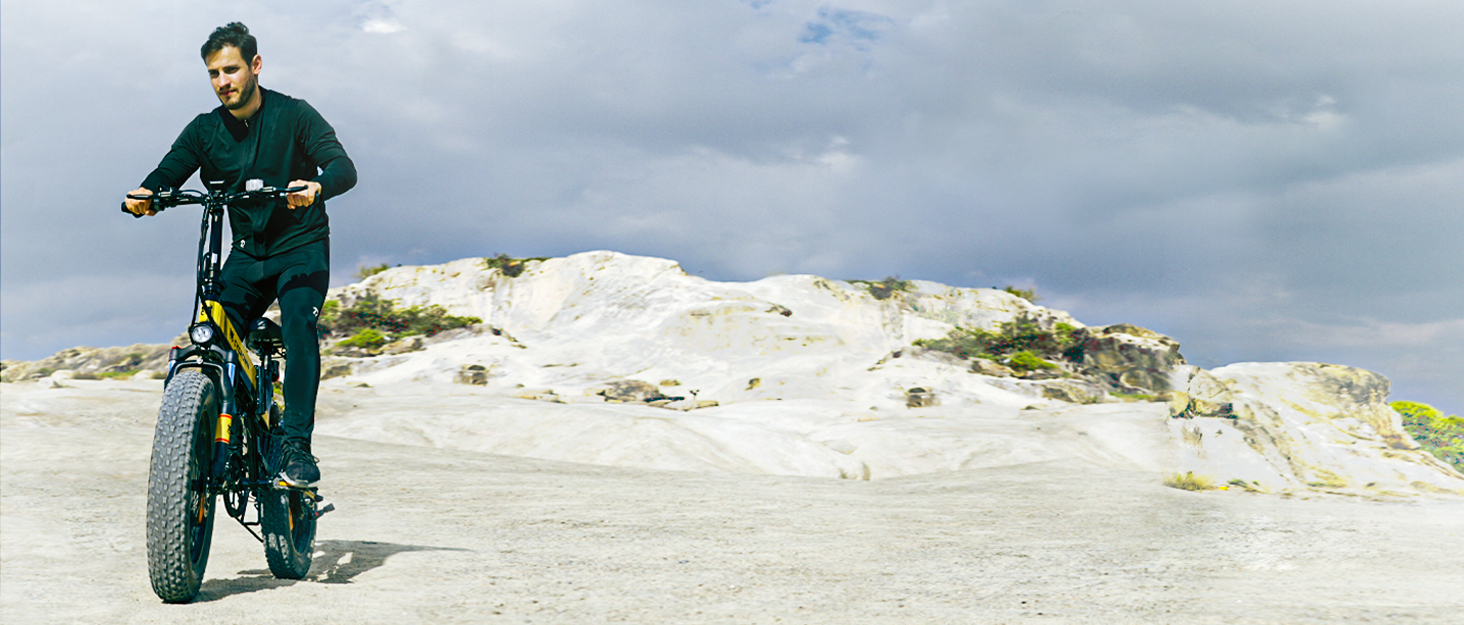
point(438, 536)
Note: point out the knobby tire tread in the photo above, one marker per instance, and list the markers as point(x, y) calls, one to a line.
point(288, 547)
point(177, 546)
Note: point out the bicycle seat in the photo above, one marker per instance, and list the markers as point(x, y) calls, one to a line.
point(265, 336)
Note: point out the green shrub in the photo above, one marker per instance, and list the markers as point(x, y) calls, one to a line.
point(1437, 434)
point(366, 338)
point(1022, 334)
point(1028, 361)
point(966, 343)
point(886, 288)
point(382, 316)
point(1189, 481)
point(511, 267)
point(1026, 294)
point(1067, 334)
point(363, 272)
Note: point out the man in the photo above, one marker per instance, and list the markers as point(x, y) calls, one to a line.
point(281, 250)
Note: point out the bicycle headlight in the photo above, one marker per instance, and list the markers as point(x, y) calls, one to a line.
point(201, 333)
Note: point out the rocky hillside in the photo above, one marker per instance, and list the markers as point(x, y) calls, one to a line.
point(613, 359)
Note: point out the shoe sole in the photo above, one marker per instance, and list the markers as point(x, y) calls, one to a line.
point(285, 482)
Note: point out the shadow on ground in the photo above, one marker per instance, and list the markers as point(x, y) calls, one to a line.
point(349, 558)
point(335, 562)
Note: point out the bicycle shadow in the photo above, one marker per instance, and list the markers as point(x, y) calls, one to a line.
point(335, 562)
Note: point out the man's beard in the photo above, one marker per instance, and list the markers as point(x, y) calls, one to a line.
point(245, 95)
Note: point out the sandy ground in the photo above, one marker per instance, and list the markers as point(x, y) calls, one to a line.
point(440, 536)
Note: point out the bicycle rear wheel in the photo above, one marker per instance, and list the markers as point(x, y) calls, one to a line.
point(180, 513)
point(288, 523)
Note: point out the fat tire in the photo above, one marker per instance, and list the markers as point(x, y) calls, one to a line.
point(287, 520)
point(180, 517)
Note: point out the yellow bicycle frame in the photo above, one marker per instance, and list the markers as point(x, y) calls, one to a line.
point(214, 312)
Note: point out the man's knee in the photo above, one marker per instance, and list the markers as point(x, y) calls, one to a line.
point(300, 317)
point(300, 325)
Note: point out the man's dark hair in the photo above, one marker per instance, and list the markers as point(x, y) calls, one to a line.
point(236, 34)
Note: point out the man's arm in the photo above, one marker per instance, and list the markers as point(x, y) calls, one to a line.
point(337, 172)
point(178, 164)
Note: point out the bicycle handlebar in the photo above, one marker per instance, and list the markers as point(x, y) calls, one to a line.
point(168, 198)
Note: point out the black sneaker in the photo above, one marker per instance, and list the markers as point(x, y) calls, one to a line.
point(299, 467)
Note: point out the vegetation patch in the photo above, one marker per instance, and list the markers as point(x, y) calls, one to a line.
point(1189, 481)
point(1437, 434)
point(366, 338)
point(511, 267)
point(364, 272)
point(1026, 294)
point(372, 322)
point(1027, 361)
point(886, 288)
point(1021, 343)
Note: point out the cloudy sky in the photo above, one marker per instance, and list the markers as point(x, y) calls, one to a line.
point(1261, 180)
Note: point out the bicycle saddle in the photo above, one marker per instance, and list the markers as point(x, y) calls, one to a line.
point(265, 335)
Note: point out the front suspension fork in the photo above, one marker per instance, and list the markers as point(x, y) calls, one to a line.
point(226, 431)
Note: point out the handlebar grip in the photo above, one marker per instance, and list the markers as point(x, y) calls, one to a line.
point(156, 205)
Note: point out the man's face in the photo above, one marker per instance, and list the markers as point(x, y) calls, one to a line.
point(234, 80)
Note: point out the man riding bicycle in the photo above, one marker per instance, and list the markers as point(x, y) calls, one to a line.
point(280, 250)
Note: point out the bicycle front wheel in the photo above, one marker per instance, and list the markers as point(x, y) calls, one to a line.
point(180, 512)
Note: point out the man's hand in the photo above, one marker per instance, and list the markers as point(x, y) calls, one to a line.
point(139, 207)
point(303, 198)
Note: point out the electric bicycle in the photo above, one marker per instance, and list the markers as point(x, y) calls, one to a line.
point(218, 432)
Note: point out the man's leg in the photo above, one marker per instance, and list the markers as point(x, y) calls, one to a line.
point(302, 286)
point(246, 290)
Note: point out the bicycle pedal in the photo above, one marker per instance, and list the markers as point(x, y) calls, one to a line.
point(320, 512)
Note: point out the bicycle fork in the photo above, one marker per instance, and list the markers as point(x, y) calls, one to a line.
point(224, 429)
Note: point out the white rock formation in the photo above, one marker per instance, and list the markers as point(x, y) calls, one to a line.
point(811, 376)
point(801, 375)
point(1306, 425)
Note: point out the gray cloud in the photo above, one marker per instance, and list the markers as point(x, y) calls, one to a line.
point(1264, 181)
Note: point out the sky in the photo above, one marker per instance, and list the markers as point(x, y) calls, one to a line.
point(1261, 180)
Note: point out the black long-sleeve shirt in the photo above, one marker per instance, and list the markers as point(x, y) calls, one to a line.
point(285, 140)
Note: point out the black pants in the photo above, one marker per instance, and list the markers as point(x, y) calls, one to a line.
point(299, 279)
